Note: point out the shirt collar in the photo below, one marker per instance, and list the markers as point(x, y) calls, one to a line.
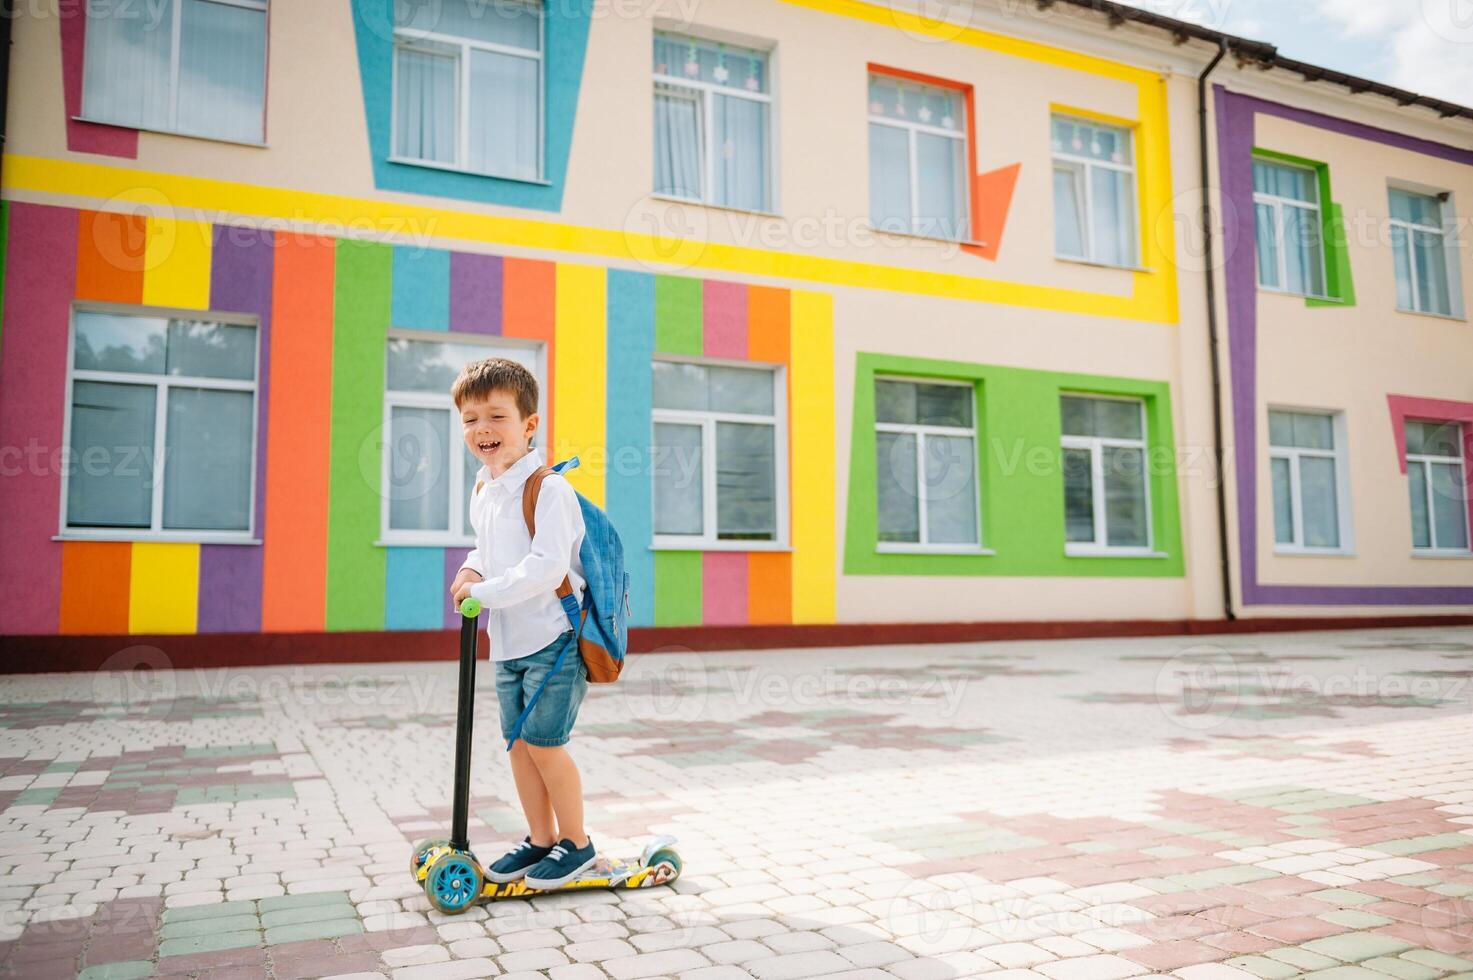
point(511, 481)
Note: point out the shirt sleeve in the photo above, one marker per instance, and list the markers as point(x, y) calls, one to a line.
point(550, 557)
point(473, 562)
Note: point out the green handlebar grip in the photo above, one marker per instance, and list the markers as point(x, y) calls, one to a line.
point(470, 608)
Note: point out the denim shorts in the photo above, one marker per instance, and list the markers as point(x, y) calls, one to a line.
point(552, 717)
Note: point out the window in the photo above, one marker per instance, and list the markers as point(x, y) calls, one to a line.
point(1107, 506)
point(1419, 241)
point(428, 474)
point(161, 427)
point(926, 465)
point(712, 123)
point(1307, 476)
point(1094, 193)
point(1286, 208)
point(1438, 485)
point(719, 456)
point(468, 86)
point(196, 67)
point(917, 159)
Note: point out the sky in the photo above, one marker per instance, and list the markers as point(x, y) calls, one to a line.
point(1422, 45)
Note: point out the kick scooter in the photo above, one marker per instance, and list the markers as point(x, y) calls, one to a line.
point(453, 879)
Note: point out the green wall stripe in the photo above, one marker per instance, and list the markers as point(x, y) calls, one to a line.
point(678, 316)
point(356, 568)
point(1020, 477)
point(678, 588)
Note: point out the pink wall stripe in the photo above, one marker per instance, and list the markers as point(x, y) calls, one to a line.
point(40, 278)
point(725, 326)
point(724, 588)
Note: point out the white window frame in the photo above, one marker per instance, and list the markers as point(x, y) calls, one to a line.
point(1342, 484)
point(921, 431)
point(1426, 461)
point(703, 93)
point(1078, 167)
point(1448, 256)
point(707, 539)
point(405, 37)
point(177, 30)
point(1278, 204)
point(461, 533)
point(161, 384)
point(1099, 547)
point(912, 130)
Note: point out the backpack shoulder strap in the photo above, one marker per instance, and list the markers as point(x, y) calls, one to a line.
point(530, 490)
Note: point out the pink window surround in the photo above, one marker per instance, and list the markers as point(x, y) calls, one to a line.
point(85, 137)
point(1405, 407)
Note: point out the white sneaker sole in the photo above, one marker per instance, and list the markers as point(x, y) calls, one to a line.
point(503, 877)
point(547, 884)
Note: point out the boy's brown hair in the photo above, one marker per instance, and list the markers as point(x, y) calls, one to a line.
point(478, 379)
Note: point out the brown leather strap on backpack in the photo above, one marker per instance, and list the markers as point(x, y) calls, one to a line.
point(529, 514)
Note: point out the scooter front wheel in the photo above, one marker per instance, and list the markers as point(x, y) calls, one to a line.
point(421, 848)
point(453, 882)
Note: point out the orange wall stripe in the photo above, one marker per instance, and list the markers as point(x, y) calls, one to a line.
point(110, 257)
point(94, 586)
point(770, 574)
point(529, 310)
point(298, 446)
point(769, 587)
point(767, 324)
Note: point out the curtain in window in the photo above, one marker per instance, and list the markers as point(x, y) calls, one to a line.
point(111, 482)
point(1283, 501)
point(1266, 233)
point(503, 117)
point(128, 63)
point(1449, 506)
point(207, 476)
point(418, 469)
point(889, 178)
point(899, 496)
point(1068, 213)
point(1079, 495)
point(1318, 503)
point(1431, 263)
point(676, 461)
point(746, 482)
point(678, 164)
point(740, 152)
point(425, 105)
point(1305, 268)
point(222, 71)
point(942, 193)
point(1114, 218)
point(951, 490)
point(1125, 497)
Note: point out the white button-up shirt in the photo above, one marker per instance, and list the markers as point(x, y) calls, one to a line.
point(521, 575)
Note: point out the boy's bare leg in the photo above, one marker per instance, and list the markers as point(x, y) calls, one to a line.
point(564, 787)
point(536, 804)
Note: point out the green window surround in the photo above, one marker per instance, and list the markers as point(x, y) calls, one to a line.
point(1339, 285)
point(1020, 475)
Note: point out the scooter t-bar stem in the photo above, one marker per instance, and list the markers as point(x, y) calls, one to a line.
point(469, 610)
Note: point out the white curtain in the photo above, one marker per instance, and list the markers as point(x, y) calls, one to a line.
point(222, 71)
point(678, 162)
point(676, 462)
point(125, 79)
point(951, 490)
point(418, 469)
point(1113, 199)
point(741, 152)
point(1267, 236)
point(504, 99)
point(1305, 265)
point(1432, 272)
point(942, 193)
point(1318, 502)
point(1068, 213)
point(426, 106)
point(899, 499)
point(889, 178)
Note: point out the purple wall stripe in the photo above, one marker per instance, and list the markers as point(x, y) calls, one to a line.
point(230, 575)
point(475, 293)
point(1235, 138)
point(40, 279)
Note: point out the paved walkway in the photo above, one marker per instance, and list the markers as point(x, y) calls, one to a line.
point(1253, 806)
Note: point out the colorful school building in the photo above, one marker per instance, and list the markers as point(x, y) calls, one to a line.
point(865, 325)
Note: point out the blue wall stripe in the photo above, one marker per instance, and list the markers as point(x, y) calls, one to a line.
point(631, 347)
point(415, 593)
point(421, 288)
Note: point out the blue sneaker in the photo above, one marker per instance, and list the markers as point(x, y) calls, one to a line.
point(563, 864)
point(515, 862)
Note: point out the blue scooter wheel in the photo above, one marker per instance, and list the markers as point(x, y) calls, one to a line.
point(453, 883)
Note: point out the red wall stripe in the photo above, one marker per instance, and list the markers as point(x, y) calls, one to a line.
point(724, 328)
point(723, 588)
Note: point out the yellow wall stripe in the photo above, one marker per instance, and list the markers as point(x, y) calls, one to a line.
point(814, 534)
point(163, 587)
point(1153, 299)
point(176, 264)
point(579, 376)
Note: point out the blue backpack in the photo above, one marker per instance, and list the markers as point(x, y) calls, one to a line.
point(601, 625)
